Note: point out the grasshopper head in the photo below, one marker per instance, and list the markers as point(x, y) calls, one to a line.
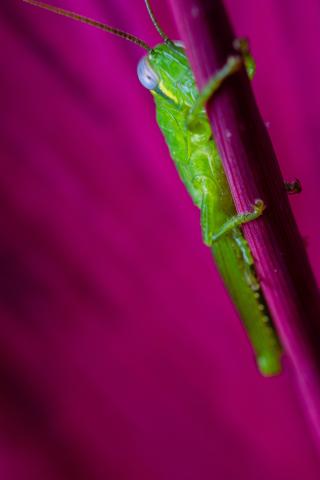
point(165, 71)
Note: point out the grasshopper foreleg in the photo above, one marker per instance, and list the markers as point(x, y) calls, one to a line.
point(232, 65)
point(239, 220)
point(247, 258)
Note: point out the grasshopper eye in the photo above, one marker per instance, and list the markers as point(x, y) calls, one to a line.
point(147, 75)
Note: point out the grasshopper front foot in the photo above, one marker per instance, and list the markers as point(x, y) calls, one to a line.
point(241, 45)
point(240, 219)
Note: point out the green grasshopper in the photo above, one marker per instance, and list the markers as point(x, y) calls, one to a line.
point(181, 115)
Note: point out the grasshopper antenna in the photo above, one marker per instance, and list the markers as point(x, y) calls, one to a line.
point(89, 21)
point(155, 22)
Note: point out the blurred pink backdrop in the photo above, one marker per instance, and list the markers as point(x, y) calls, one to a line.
point(121, 355)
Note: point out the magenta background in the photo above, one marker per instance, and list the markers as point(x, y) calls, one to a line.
point(120, 354)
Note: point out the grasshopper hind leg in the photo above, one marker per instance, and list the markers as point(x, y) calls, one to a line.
point(247, 260)
point(207, 213)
